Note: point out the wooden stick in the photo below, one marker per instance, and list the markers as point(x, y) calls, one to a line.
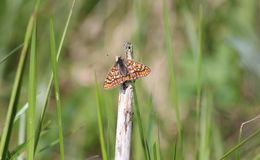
point(124, 115)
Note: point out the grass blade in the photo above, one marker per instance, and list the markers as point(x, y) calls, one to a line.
point(150, 124)
point(21, 134)
point(53, 143)
point(5, 139)
point(56, 87)
point(240, 144)
point(156, 151)
point(241, 130)
point(65, 30)
point(170, 58)
point(11, 53)
point(100, 122)
point(257, 157)
point(205, 126)
point(39, 128)
point(32, 98)
point(141, 129)
point(51, 78)
point(199, 64)
point(18, 150)
point(21, 112)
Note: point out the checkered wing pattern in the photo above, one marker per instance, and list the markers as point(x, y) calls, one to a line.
point(114, 77)
point(135, 70)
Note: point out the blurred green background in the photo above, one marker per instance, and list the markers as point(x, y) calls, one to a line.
point(224, 71)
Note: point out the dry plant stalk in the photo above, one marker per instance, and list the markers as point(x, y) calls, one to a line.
point(125, 113)
point(246, 122)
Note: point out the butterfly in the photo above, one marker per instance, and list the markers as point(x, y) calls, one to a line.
point(125, 70)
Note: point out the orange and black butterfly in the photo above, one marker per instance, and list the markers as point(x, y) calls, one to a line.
point(124, 70)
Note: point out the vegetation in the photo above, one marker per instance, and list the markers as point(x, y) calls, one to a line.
point(54, 56)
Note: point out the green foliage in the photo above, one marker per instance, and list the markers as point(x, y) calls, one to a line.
point(100, 123)
point(144, 140)
point(31, 118)
point(56, 88)
point(204, 81)
point(173, 82)
point(5, 138)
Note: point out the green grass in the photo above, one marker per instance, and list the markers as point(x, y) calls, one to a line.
point(257, 157)
point(100, 123)
point(31, 118)
point(56, 88)
point(205, 126)
point(203, 57)
point(11, 53)
point(156, 151)
point(47, 94)
point(32, 135)
point(144, 140)
point(5, 138)
point(236, 147)
point(199, 76)
point(173, 82)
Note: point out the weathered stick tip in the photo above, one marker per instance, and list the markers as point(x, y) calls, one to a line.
point(128, 48)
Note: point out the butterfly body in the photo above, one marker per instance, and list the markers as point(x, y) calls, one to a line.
point(125, 70)
point(121, 64)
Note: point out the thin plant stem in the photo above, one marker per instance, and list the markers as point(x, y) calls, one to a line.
point(170, 58)
point(199, 75)
point(51, 77)
point(5, 139)
point(240, 144)
point(56, 88)
point(11, 53)
point(100, 123)
point(140, 126)
point(241, 131)
point(32, 98)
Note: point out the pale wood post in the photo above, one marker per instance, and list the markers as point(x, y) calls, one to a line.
point(125, 113)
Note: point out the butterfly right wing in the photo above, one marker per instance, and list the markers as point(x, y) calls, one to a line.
point(136, 69)
point(114, 77)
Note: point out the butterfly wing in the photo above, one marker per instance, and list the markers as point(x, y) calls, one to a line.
point(114, 77)
point(136, 70)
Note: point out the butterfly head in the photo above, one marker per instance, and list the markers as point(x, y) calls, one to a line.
point(118, 59)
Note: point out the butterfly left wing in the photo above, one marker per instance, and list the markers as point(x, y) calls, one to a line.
point(114, 77)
